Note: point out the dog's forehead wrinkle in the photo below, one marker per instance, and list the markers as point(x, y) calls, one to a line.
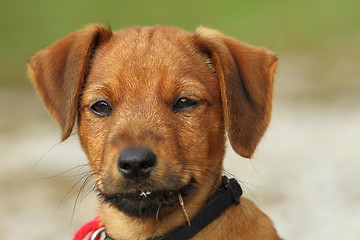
point(148, 58)
point(145, 40)
point(154, 44)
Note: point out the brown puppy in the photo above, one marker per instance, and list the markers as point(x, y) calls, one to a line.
point(153, 105)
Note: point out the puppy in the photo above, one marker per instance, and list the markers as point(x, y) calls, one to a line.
point(153, 105)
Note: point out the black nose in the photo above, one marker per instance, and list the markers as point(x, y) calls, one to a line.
point(136, 162)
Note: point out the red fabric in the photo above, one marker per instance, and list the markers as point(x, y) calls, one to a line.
point(85, 232)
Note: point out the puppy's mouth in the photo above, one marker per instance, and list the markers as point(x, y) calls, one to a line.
point(148, 203)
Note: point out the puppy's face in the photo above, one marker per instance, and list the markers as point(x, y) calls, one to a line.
point(151, 100)
point(152, 105)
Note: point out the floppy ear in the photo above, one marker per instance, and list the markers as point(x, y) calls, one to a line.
point(58, 72)
point(246, 77)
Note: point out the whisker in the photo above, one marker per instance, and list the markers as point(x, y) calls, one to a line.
point(90, 189)
point(210, 166)
point(79, 196)
point(253, 165)
point(47, 151)
point(252, 185)
point(42, 156)
point(68, 192)
point(83, 186)
point(66, 171)
point(248, 189)
point(212, 175)
point(223, 170)
point(191, 170)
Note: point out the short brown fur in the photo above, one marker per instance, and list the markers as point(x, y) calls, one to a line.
point(141, 72)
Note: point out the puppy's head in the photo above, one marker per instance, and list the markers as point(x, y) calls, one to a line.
point(153, 104)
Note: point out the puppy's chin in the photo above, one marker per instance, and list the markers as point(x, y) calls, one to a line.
point(147, 203)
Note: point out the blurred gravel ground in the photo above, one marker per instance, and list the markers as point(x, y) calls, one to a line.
point(305, 174)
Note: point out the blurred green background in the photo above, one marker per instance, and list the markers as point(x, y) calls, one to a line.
point(307, 27)
point(310, 155)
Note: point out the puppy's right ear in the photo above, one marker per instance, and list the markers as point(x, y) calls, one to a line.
point(58, 72)
point(246, 75)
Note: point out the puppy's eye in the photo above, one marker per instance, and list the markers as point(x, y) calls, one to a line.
point(101, 108)
point(184, 104)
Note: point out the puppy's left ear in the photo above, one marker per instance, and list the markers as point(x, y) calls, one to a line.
point(245, 76)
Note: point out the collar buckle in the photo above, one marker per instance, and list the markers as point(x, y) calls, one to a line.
point(233, 186)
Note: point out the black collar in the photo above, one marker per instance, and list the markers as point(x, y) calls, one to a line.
point(229, 193)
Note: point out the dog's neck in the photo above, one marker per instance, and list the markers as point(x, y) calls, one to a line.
point(227, 193)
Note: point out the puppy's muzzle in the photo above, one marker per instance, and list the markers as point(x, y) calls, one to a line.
point(136, 163)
